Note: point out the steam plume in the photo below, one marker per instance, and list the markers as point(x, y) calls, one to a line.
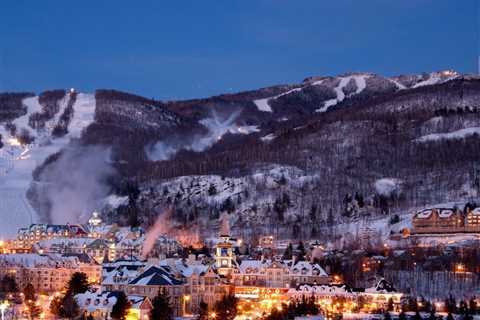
point(216, 126)
point(161, 226)
point(76, 182)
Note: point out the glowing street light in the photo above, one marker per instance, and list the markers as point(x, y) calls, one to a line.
point(460, 268)
point(3, 307)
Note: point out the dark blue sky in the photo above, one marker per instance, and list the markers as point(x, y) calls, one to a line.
point(182, 49)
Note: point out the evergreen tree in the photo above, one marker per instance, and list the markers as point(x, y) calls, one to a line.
point(287, 255)
point(301, 252)
point(228, 205)
point(402, 316)
point(279, 209)
point(203, 311)
point(8, 284)
point(161, 309)
point(462, 307)
point(121, 307)
point(390, 305)
point(450, 304)
point(387, 316)
point(313, 213)
point(472, 306)
point(56, 306)
point(330, 218)
point(69, 307)
point(29, 292)
point(360, 200)
point(450, 316)
point(212, 190)
point(226, 308)
point(432, 315)
point(78, 283)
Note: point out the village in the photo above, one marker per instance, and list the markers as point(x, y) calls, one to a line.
point(224, 278)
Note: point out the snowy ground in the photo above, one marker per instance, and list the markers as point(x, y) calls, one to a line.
point(437, 77)
point(458, 134)
point(262, 104)
point(360, 82)
point(17, 162)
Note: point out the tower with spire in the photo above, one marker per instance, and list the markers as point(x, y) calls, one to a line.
point(224, 253)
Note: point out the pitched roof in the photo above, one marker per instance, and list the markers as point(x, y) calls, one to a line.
point(156, 276)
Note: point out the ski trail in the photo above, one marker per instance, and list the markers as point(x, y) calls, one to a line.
point(17, 161)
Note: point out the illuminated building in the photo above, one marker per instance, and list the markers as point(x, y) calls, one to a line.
point(373, 298)
point(473, 220)
point(224, 256)
point(95, 220)
point(48, 273)
point(27, 237)
point(99, 305)
point(438, 220)
point(278, 274)
point(154, 279)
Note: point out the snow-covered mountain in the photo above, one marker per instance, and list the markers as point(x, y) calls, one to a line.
point(288, 159)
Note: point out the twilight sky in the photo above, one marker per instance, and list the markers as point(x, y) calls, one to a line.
point(184, 49)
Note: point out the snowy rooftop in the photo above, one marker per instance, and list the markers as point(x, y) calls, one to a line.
point(185, 268)
point(93, 301)
point(31, 260)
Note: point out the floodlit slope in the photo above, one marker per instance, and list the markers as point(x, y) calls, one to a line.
point(18, 161)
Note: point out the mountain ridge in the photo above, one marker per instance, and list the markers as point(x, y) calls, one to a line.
point(342, 134)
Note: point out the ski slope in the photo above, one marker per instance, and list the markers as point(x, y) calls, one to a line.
point(360, 82)
point(18, 161)
point(262, 104)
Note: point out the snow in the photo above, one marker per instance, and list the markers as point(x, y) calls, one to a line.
point(104, 299)
point(17, 162)
point(268, 137)
point(245, 129)
point(360, 81)
point(33, 106)
point(398, 84)
point(49, 244)
point(322, 289)
point(437, 77)
point(309, 267)
point(432, 79)
point(251, 266)
point(114, 201)
point(262, 104)
point(458, 134)
point(186, 268)
point(424, 214)
point(445, 213)
point(30, 260)
point(84, 114)
point(386, 186)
